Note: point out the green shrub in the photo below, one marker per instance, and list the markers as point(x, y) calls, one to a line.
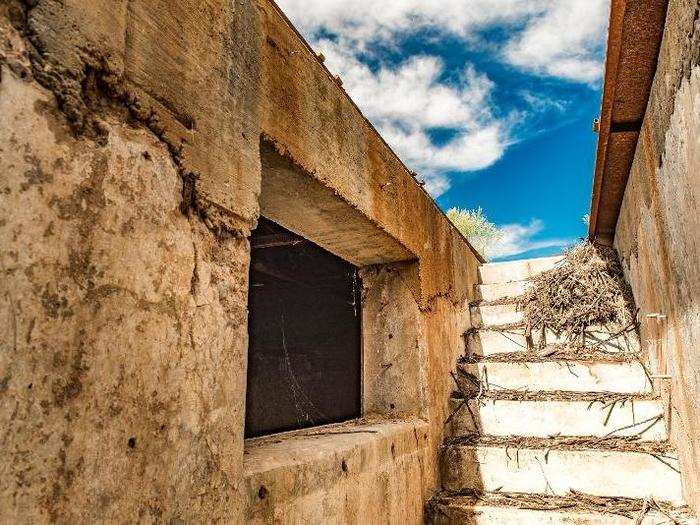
point(475, 226)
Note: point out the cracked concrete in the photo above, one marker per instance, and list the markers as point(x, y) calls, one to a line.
point(130, 178)
point(112, 359)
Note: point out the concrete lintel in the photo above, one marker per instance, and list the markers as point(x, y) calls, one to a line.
point(299, 202)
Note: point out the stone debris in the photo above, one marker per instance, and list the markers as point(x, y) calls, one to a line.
point(619, 443)
point(557, 352)
point(559, 395)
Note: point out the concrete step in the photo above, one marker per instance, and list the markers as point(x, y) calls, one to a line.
point(579, 415)
point(516, 270)
point(550, 467)
point(565, 376)
point(501, 291)
point(488, 342)
point(516, 509)
point(495, 315)
point(506, 318)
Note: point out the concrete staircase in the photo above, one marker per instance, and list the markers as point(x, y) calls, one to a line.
point(554, 435)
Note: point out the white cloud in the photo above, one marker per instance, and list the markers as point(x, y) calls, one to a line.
point(558, 38)
point(540, 103)
point(366, 21)
point(520, 238)
point(405, 102)
point(565, 42)
point(409, 101)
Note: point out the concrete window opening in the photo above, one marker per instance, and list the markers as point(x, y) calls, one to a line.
point(304, 357)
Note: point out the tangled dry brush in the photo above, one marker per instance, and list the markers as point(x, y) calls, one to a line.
point(587, 289)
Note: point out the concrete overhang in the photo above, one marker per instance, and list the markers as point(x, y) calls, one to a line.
point(309, 98)
point(301, 204)
point(634, 38)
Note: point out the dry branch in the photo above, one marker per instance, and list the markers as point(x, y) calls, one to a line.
point(586, 289)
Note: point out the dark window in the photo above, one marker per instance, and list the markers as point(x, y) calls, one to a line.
point(304, 353)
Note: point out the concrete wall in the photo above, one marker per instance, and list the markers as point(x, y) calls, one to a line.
point(131, 174)
point(658, 232)
point(123, 328)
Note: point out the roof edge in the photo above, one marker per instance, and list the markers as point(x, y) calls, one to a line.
point(635, 33)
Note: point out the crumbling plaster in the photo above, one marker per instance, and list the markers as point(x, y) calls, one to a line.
point(123, 329)
point(658, 231)
point(130, 177)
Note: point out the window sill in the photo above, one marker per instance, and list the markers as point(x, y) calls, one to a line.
point(283, 467)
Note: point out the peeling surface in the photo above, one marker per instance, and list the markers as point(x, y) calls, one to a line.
point(103, 60)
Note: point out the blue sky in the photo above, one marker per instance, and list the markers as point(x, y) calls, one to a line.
point(489, 101)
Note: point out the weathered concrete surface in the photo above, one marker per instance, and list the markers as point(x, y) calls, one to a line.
point(465, 509)
point(131, 175)
point(491, 341)
point(658, 232)
point(320, 216)
point(570, 416)
point(485, 316)
point(516, 270)
point(502, 290)
point(367, 473)
point(549, 470)
point(188, 69)
point(568, 376)
point(123, 329)
point(394, 362)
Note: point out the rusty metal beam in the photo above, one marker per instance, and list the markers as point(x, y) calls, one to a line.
point(634, 38)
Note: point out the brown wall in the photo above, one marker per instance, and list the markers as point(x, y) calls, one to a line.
point(130, 177)
point(123, 327)
point(658, 232)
